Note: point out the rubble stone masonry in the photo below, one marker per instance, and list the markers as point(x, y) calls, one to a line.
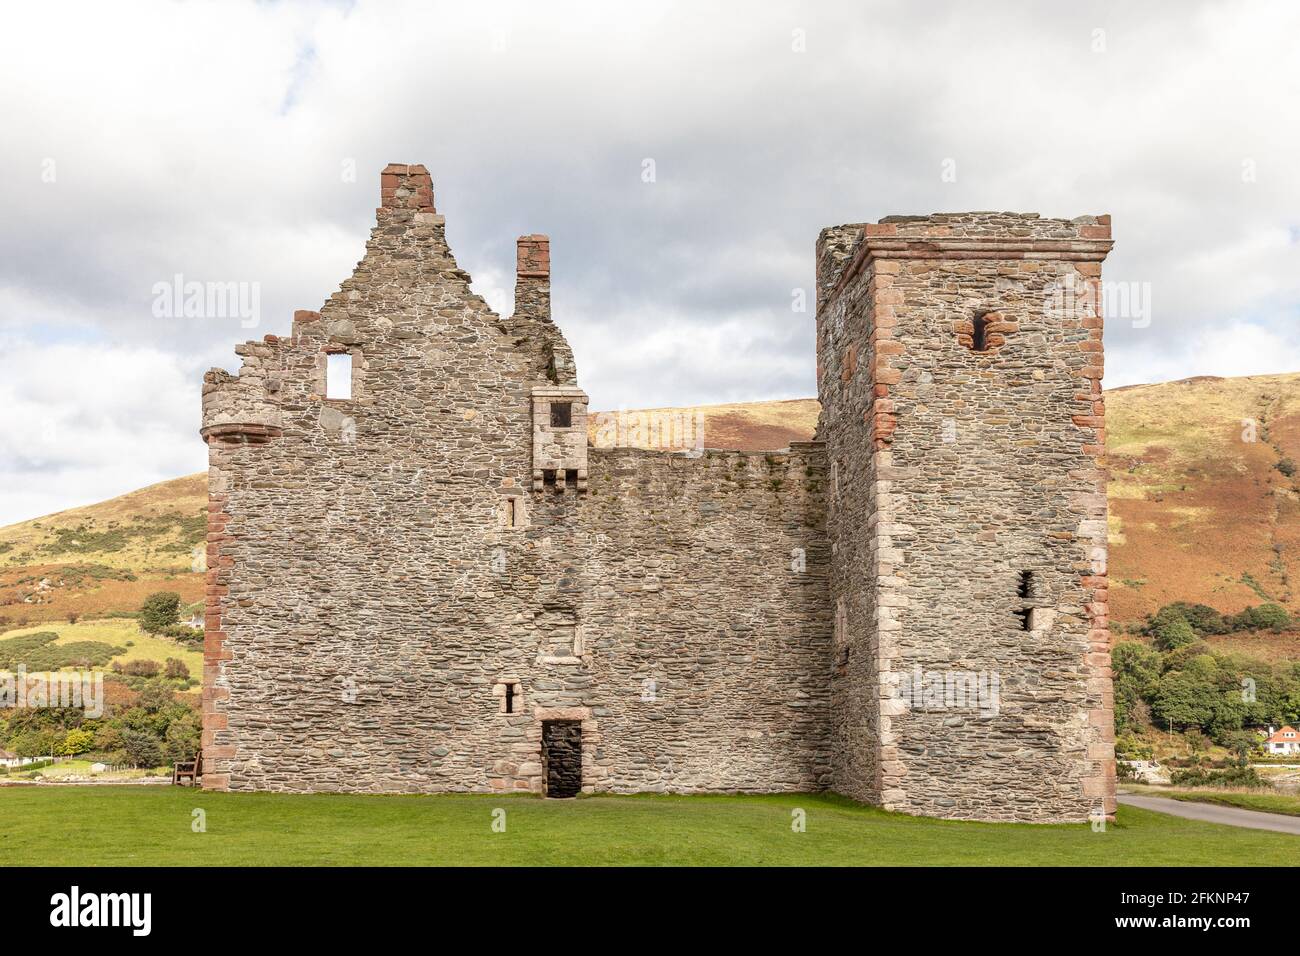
point(406, 585)
point(960, 372)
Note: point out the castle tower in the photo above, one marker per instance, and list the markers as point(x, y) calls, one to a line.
point(959, 373)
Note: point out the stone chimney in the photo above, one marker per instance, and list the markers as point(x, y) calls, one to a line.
point(533, 277)
point(532, 319)
point(405, 187)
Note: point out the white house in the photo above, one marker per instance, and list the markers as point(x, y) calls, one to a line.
point(1283, 741)
point(8, 759)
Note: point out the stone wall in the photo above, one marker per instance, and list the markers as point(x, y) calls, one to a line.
point(394, 604)
point(405, 586)
point(960, 382)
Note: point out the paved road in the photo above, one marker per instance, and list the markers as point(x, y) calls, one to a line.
point(1212, 813)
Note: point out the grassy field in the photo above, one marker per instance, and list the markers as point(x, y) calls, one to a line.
point(119, 632)
point(81, 768)
point(153, 826)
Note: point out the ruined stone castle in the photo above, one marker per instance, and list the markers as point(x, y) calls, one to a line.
point(423, 577)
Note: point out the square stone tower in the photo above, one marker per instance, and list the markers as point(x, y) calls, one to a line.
point(959, 373)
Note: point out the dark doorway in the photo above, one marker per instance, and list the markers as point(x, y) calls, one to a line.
point(562, 757)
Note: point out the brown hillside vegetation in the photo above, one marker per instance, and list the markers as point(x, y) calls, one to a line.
point(1199, 511)
point(107, 557)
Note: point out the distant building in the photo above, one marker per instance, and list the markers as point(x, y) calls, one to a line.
point(8, 759)
point(1284, 741)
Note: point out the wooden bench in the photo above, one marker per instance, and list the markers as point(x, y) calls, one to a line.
point(188, 769)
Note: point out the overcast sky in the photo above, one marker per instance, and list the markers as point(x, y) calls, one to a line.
point(216, 141)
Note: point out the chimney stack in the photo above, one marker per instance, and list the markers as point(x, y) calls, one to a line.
point(403, 186)
point(533, 277)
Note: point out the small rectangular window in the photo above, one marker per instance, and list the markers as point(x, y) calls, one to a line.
point(571, 477)
point(561, 414)
point(512, 519)
point(548, 477)
point(510, 698)
point(338, 375)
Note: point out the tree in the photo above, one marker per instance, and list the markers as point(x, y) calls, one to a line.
point(160, 610)
point(1174, 633)
point(108, 737)
point(141, 748)
point(1241, 743)
point(155, 696)
point(1185, 699)
point(76, 742)
point(183, 735)
point(1136, 670)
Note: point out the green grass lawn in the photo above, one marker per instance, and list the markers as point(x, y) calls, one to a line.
point(152, 826)
point(1266, 802)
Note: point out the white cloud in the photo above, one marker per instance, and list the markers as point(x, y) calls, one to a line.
point(216, 140)
point(1236, 347)
point(80, 423)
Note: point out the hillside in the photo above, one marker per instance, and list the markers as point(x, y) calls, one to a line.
point(105, 557)
point(1199, 512)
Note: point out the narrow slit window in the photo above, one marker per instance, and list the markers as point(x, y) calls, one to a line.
point(510, 698)
point(979, 339)
point(561, 414)
point(1025, 590)
point(511, 520)
point(338, 375)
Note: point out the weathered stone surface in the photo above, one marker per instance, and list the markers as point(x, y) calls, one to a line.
point(407, 586)
point(388, 565)
point(955, 471)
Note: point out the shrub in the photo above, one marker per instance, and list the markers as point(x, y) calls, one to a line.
point(1129, 747)
point(38, 652)
point(137, 668)
point(160, 610)
point(1271, 617)
point(1241, 743)
point(1231, 777)
point(176, 669)
point(1203, 618)
point(1286, 466)
point(155, 696)
point(183, 633)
